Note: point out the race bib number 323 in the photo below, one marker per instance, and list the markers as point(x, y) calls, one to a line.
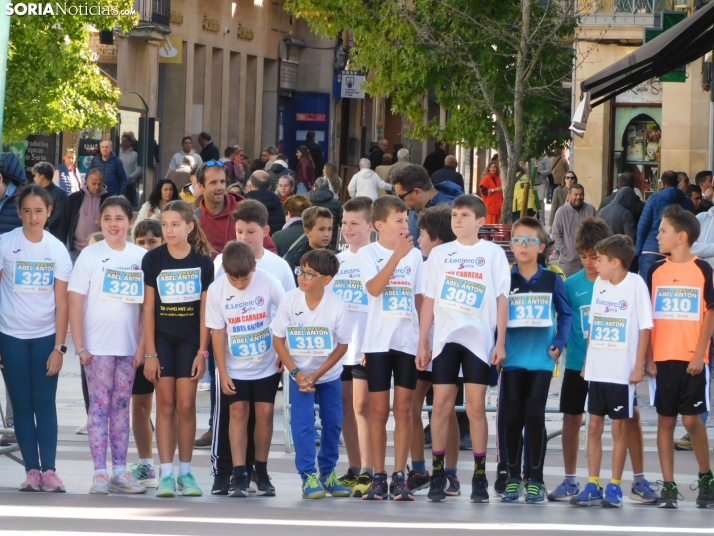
point(179, 286)
point(608, 333)
point(309, 341)
point(530, 310)
point(34, 276)
point(677, 303)
point(123, 285)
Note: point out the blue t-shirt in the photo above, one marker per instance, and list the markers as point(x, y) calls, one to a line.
point(580, 295)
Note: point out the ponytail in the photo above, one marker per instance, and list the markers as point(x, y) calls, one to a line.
point(198, 240)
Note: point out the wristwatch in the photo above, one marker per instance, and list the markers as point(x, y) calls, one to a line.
point(294, 372)
point(61, 348)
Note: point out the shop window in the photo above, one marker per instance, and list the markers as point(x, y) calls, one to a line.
point(640, 155)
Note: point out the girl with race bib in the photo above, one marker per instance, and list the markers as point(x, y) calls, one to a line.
point(177, 275)
point(33, 327)
point(105, 296)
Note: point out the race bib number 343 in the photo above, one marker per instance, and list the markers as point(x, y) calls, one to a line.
point(677, 303)
point(608, 333)
point(397, 301)
point(530, 310)
point(34, 276)
point(309, 341)
point(123, 285)
point(179, 286)
point(461, 294)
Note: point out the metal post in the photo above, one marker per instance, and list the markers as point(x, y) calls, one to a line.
point(4, 41)
point(287, 408)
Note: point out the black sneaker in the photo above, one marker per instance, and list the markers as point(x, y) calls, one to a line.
point(398, 489)
point(499, 487)
point(479, 489)
point(454, 489)
point(437, 487)
point(379, 490)
point(417, 481)
point(465, 441)
point(239, 485)
point(221, 485)
point(705, 499)
point(260, 484)
point(427, 437)
point(668, 496)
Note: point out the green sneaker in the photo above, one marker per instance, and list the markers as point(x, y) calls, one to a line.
point(311, 488)
point(535, 491)
point(332, 485)
point(187, 484)
point(167, 486)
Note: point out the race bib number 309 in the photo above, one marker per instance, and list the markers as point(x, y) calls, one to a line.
point(34, 276)
point(123, 285)
point(179, 286)
point(530, 310)
point(309, 341)
point(461, 294)
point(677, 303)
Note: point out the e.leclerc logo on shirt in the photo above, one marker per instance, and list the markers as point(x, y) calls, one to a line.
point(408, 270)
point(622, 305)
point(135, 267)
point(259, 300)
point(480, 261)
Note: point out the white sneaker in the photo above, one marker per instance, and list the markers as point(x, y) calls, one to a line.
point(100, 484)
point(82, 430)
point(203, 386)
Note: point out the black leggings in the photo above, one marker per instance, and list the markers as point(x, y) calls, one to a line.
point(525, 396)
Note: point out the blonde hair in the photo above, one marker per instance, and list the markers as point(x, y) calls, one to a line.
point(330, 171)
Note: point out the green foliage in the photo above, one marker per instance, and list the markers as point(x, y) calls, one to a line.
point(52, 84)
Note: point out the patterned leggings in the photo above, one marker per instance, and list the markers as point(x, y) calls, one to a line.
point(110, 379)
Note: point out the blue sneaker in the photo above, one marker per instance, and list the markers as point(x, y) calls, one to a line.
point(564, 491)
point(535, 491)
point(311, 487)
point(644, 493)
point(613, 496)
point(331, 484)
point(590, 496)
point(514, 490)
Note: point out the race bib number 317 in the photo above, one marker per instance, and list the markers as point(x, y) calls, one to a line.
point(309, 341)
point(530, 310)
point(34, 276)
point(123, 285)
point(677, 303)
point(179, 286)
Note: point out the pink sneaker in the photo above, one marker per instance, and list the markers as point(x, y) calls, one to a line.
point(32, 483)
point(100, 484)
point(51, 482)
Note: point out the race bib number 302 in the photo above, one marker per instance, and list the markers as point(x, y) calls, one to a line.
point(530, 310)
point(179, 286)
point(461, 294)
point(250, 346)
point(608, 333)
point(677, 303)
point(123, 285)
point(397, 301)
point(309, 341)
point(352, 293)
point(34, 276)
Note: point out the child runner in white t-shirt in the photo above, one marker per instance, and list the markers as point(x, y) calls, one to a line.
point(106, 290)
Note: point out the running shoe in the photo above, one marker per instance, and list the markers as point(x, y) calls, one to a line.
point(186, 484)
point(261, 485)
point(590, 496)
point(417, 481)
point(50, 482)
point(349, 479)
point(564, 491)
point(644, 493)
point(167, 486)
point(479, 489)
point(427, 437)
point(535, 491)
point(705, 499)
point(465, 441)
point(378, 489)
point(331, 484)
point(454, 489)
point(239, 485)
point(100, 484)
point(221, 485)
point(612, 497)
point(204, 442)
point(363, 483)
point(669, 495)
point(82, 430)
point(124, 483)
point(500, 485)
point(311, 488)
point(144, 475)
point(437, 487)
point(398, 489)
point(684, 443)
point(513, 491)
point(33, 481)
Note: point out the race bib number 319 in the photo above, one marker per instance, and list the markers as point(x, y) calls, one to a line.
point(34, 276)
point(530, 310)
point(179, 286)
point(677, 303)
point(123, 285)
point(462, 295)
point(309, 341)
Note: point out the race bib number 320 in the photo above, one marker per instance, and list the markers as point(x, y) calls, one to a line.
point(34, 276)
point(677, 303)
point(397, 301)
point(309, 341)
point(250, 346)
point(352, 293)
point(608, 333)
point(530, 310)
point(179, 286)
point(461, 294)
point(123, 285)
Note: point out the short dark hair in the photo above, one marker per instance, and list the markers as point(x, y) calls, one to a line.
point(620, 247)
point(295, 205)
point(412, 176)
point(702, 176)
point(283, 157)
point(436, 222)
point(473, 203)
point(37, 191)
point(311, 215)
point(310, 135)
point(691, 188)
point(323, 261)
point(682, 175)
point(257, 182)
point(591, 231)
point(669, 178)
point(361, 204)
point(45, 169)
point(149, 225)
point(531, 223)
point(205, 136)
point(186, 138)
point(626, 180)
point(238, 259)
point(229, 151)
point(578, 186)
point(201, 173)
point(117, 201)
point(382, 207)
point(683, 222)
point(251, 211)
point(94, 171)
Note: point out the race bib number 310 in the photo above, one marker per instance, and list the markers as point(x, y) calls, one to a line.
point(462, 295)
point(34, 276)
point(309, 341)
point(608, 333)
point(352, 293)
point(123, 285)
point(677, 303)
point(397, 302)
point(250, 346)
point(179, 286)
point(530, 310)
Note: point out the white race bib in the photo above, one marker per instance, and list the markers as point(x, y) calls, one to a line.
point(397, 301)
point(179, 286)
point(608, 332)
point(34, 276)
point(309, 341)
point(531, 310)
point(123, 285)
point(461, 294)
point(250, 346)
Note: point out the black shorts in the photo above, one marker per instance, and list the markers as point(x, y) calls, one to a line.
point(382, 365)
point(455, 357)
point(175, 356)
point(680, 393)
point(425, 376)
point(346, 375)
point(359, 372)
point(262, 390)
point(612, 399)
point(573, 393)
point(142, 386)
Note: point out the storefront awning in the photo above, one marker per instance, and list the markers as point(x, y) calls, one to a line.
point(683, 43)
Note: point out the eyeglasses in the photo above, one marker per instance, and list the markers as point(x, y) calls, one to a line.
point(527, 240)
point(309, 276)
point(402, 196)
point(212, 163)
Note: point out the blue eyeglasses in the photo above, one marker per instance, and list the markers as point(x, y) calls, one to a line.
point(527, 240)
point(212, 163)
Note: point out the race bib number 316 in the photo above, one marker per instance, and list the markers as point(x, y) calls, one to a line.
point(677, 303)
point(530, 310)
point(608, 333)
point(462, 295)
point(179, 286)
point(250, 346)
point(34, 276)
point(309, 341)
point(123, 285)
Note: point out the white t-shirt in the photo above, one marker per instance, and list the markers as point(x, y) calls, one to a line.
point(392, 320)
point(348, 285)
point(465, 282)
point(27, 298)
point(245, 315)
point(270, 263)
point(617, 314)
point(110, 327)
point(311, 336)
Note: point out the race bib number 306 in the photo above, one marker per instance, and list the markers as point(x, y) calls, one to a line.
point(677, 303)
point(352, 293)
point(309, 341)
point(608, 333)
point(397, 301)
point(179, 286)
point(461, 294)
point(530, 310)
point(123, 285)
point(34, 276)
point(250, 346)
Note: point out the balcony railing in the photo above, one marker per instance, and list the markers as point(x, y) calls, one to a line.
point(157, 12)
point(622, 12)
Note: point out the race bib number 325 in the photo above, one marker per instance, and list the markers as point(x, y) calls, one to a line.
point(677, 303)
point(462, 295)
point(179, 286)
point(309, 341)
point(123, 285)
point(530, 310)
point(34, 276)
